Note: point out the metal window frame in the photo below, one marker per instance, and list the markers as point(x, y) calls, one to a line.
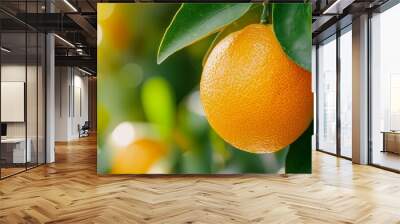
point(387, 5)
point(381, 9)
point(339, 32)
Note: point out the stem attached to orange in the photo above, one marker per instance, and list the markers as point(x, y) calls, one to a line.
point(266, 16)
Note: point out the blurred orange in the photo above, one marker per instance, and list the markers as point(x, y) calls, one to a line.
point(138, 157)
point(105, 10)
point(116, 31)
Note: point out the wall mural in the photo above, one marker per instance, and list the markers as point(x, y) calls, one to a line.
point(204, 88)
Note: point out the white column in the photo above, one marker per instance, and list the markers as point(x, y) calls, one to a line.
point(50, 94)
point(360, 90)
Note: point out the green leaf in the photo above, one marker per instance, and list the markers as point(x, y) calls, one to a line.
point(292, 26)
point(193, 22)
point(197, 161)
point(252, 16)
point(247, 162)
point(158, 105)
point(259, 163)
point(298, 160)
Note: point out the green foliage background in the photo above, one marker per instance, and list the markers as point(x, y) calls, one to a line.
point(143, 82)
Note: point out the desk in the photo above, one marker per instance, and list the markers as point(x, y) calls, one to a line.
point(16, 147)
point(391, 141)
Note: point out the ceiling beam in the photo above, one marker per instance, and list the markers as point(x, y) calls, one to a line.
point(49, 22)
point(84, 24)
point(81, 61)
point(337, 7)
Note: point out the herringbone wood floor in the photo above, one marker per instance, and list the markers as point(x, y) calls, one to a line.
point(69, 191)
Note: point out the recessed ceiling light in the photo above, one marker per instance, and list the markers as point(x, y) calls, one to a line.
point(5, 50)
point(64, 40)
point(84, 71)
point(70, 5)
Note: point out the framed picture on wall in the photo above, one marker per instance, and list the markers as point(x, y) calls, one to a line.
point(12, 101)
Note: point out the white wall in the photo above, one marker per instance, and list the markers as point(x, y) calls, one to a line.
point(9, 73)
point(62, 81)
point(71, 94)
point(12, 73)
point(80, 110)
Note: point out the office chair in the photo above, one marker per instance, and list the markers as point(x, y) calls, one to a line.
point(84, 130)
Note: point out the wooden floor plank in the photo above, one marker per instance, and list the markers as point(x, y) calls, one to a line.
point(70, 191)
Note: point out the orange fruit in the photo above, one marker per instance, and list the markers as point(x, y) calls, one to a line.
point(254, 96)
point(138, 157)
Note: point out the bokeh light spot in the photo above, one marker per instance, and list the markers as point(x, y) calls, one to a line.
point(99, 34)
point(194, 103)
point(134, 72)
point(123, 134)
point(104, 11)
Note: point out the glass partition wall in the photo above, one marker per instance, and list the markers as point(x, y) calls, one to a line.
point(13, 89)
point(22, 78)
point(334, 93)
